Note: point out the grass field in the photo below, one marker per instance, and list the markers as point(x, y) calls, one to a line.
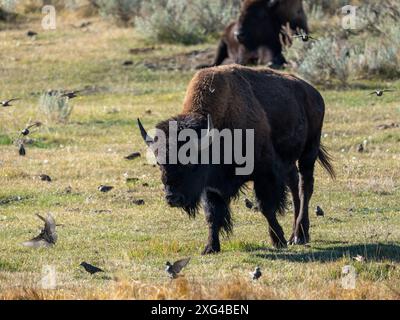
point(132, 242)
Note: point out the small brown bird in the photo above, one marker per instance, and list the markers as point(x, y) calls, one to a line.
point(45, 177)
point(133, 156)
point(319, 212)
point(174, 269)
point(70, 94)
point(105, 189)
point(7, 103)
point(47, 236)
point(90, 268)
point(139, 202)
point(379, 93)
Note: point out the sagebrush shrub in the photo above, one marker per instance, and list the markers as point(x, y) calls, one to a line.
point(54, 107)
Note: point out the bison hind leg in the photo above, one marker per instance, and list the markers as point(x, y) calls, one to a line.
point(270, 189)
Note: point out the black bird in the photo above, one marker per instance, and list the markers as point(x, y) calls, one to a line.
point(21, 150)
point(360, 148)
point(249, 204)
point(70, 94)
point(7, 103)
point(133, 156)
point(127, 63)
point(379, 93)
point(31, 33)
point(90, 268)
point(174, 269)
point(26, 131)
point(47, 236)
point(105, 188)
point(319, 212)
point(256, 274)
point(45, 177)
point(305, 37)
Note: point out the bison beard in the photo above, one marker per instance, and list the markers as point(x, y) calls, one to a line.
point(286, 114)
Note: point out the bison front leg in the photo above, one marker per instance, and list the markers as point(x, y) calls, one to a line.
point(218, 218)
point(270, 192)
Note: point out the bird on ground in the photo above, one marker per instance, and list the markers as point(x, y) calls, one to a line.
point(7, 103)
point(256, 274)
point(90, 268)
point(104, 189)
point(360, 148)
point(21, 150)
point(319, 212)
point(70, 94)
point(133, 156)
point(47, 237)
point(379, 93)
point(174, 269)
point(45, 177)
point(31, 33)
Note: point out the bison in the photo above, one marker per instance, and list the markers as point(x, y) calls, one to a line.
point(286, 114)
point(255, 37)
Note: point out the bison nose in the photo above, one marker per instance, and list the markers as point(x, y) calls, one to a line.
point(240, 35)
point(174, 200)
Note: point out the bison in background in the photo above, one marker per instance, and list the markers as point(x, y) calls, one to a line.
point(286, 114)
point(255, 37)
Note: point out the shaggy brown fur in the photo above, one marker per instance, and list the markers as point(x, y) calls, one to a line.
point(286, 114)
point(255, 37)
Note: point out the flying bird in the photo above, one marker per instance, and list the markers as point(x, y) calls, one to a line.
point(379, 93)
point(7, 103)
point(174, 269)
point(105, 189)
point(256, 274)
point(319, 212)
point(133, 156)
point(305, 37)
point(47, 236)
point(26, 131)
point(90, 268)
point(70, 94)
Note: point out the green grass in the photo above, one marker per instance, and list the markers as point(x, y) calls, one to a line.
point(133, 242)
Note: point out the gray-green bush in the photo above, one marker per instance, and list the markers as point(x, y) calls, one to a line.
point(55, 107)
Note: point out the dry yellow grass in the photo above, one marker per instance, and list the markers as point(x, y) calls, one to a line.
point(132, 243)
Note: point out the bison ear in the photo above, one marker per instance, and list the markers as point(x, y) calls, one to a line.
point(147, 139)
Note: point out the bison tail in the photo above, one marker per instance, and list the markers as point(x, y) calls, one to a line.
point(325, 160)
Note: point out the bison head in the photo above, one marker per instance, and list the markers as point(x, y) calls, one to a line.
point(184, 181)
point(254, 21)
point(263, 19)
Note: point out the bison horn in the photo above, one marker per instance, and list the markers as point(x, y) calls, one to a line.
point(272, 3)
point(147, 139)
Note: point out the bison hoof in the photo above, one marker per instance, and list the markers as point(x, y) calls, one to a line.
point(280, 244)
point(299, 240)
point(210, 250)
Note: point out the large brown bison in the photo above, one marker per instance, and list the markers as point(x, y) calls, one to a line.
point(286, 114)
point(255, 37)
